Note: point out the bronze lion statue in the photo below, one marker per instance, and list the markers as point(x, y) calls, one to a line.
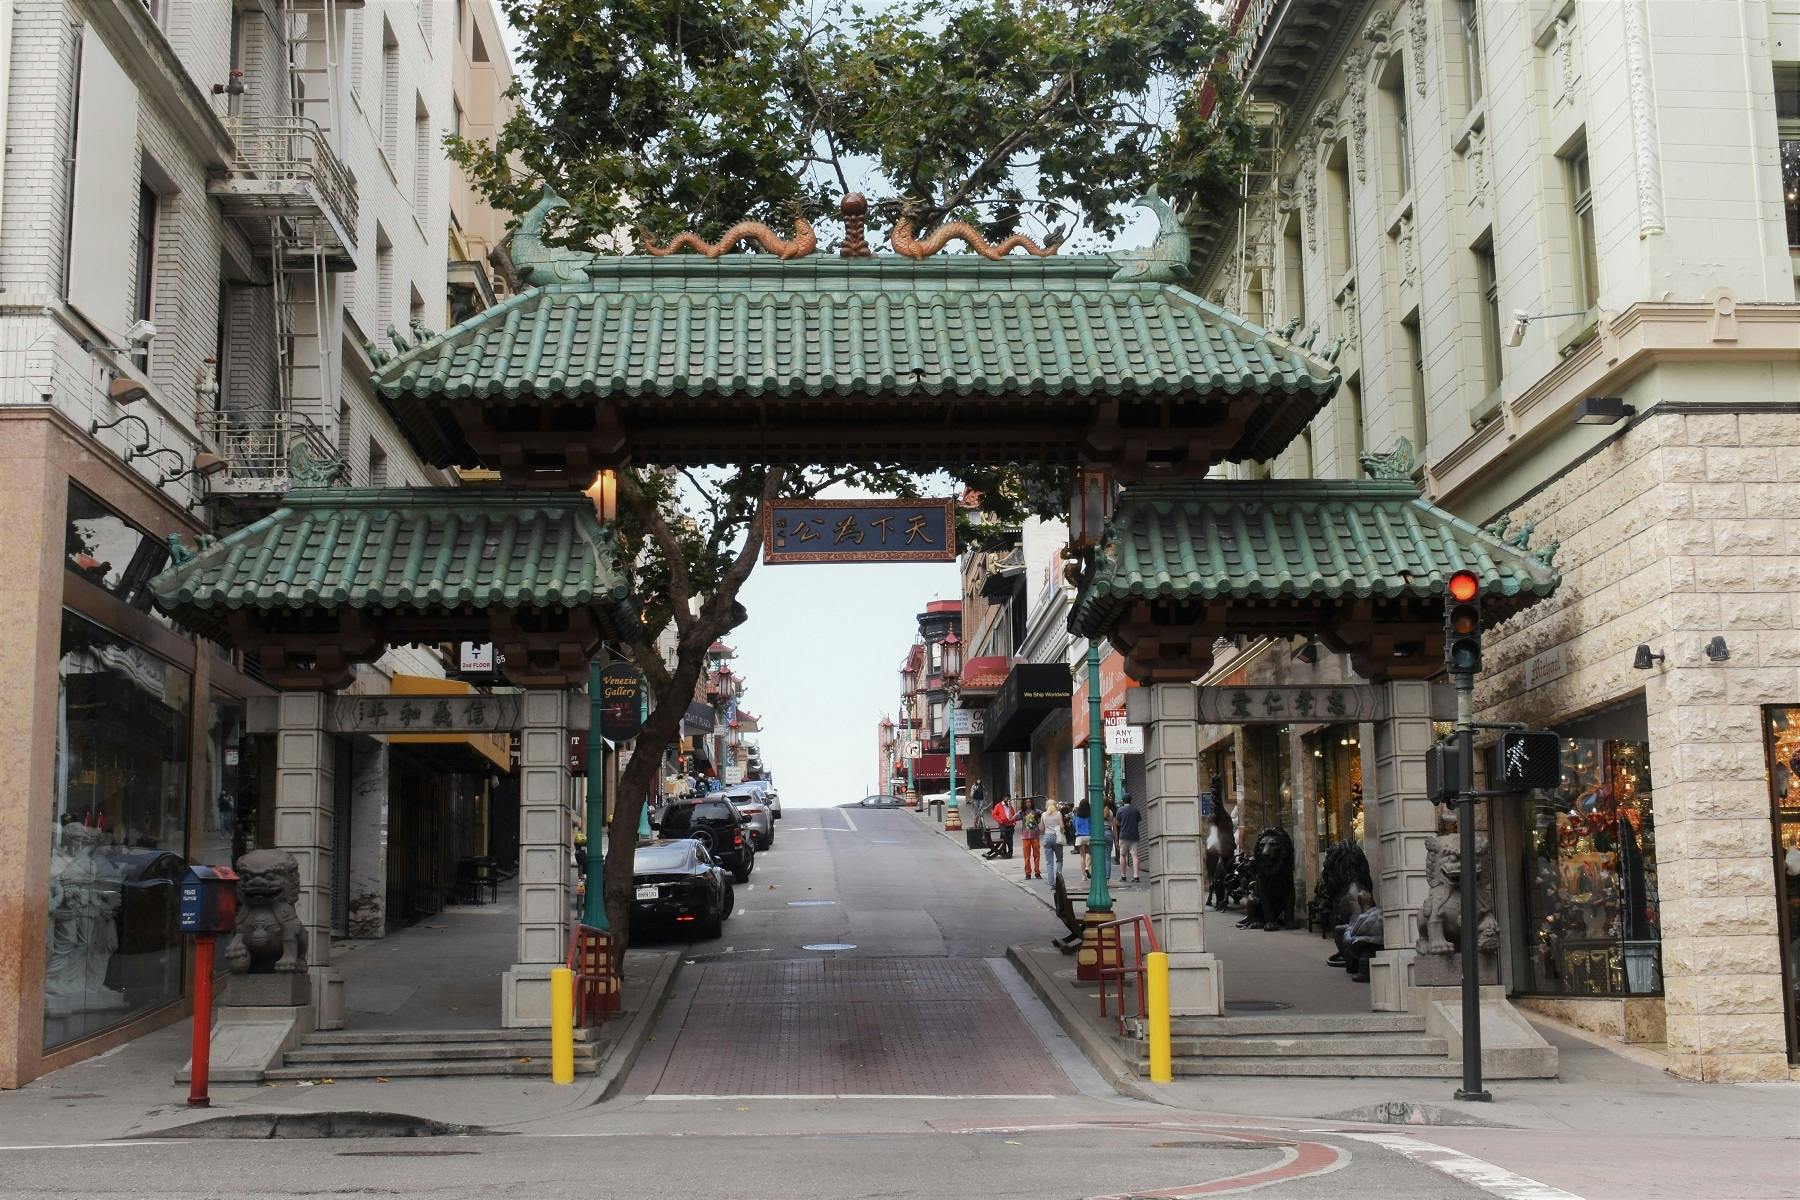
point(270, 936)
point(1272, 866)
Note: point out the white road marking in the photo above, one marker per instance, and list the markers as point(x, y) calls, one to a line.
point(1466, 1167)
point(853, 1096)
point(847, 820)
point(104, 1145)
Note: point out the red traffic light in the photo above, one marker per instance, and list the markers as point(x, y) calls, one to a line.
point(1463, 586)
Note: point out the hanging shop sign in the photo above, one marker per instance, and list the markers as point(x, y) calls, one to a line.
point(969, 721)
point(624, 701)
point(884, 530)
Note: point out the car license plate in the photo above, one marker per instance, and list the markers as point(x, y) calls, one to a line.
point(646, 891)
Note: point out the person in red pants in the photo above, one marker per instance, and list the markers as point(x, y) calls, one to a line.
point(1031, 830)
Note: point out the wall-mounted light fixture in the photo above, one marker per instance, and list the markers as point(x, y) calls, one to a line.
point(152, 452)
point(1515, 333)
point(604, 492)
point(1603, 410)
point(1644, 660)
point(1308, 651)
point(96, 428)
point(206, 465)
point(1717, 650)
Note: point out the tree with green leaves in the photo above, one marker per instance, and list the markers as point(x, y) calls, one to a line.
point(1041, 116)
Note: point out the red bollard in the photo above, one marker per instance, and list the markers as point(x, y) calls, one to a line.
point(203, 983)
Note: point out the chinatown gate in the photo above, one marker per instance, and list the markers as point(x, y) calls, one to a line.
point(1101, 362)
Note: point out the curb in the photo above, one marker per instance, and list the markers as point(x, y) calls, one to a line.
point(1095, 1046)
point(611, 1074)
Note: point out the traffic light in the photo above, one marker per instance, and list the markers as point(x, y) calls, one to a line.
point(1462, 623)
point(1525, 759)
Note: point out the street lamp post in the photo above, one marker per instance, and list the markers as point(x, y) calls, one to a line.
point(953, 687)
point(906, 720)
point(1099, 900)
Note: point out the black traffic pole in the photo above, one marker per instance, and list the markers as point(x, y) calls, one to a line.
point(1471, 1088)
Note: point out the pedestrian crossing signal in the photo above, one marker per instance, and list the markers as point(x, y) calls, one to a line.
point(1462, 623)
point(1525, 759)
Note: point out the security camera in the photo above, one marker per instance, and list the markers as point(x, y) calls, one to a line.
point(141, 333)
point(1515, 333)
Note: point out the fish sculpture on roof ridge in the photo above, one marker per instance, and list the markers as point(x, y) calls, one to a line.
point(539, 264)
point(1166, 259)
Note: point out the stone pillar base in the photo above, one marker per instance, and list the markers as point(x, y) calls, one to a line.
point(1089, 959)
point(1510, 1047)
point(1196, 984)
point(953, 819)
point(247, 1042)
point(525, 996)
point(328, 997)
point(1390, 980)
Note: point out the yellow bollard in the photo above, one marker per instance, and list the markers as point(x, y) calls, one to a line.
point(562, 1025)
point(1156, 986)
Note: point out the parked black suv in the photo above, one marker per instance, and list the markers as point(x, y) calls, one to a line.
point(715, 824)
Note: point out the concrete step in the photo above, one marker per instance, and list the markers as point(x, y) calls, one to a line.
point(1297, 1024)
point(389, 1037)
point(429, 1053)
point(537, 1067)
point(1315, 1045)
point(1342, 1067)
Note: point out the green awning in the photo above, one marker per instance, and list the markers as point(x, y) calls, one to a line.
point(421, 552)
point(1298, 541)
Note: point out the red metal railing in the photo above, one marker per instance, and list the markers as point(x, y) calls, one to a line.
point(1115, 967)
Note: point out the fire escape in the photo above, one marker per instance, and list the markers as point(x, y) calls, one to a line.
point(291, 193)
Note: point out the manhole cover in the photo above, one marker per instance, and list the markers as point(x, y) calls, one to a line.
point(1256, 1005)
point(809, 903)
point(830, 946)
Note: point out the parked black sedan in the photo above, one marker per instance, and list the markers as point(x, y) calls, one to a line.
point(678, 883)
point(879, 800)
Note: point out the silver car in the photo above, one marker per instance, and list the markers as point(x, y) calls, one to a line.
point(758, 820)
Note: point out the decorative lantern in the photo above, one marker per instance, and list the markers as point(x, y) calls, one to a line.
point(1090, 507)
point(953, 654)
point(604, 492)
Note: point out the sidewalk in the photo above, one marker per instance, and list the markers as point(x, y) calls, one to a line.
point(1600, 1090)
point(441, 974)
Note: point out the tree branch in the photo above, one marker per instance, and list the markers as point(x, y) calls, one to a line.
point(681, 589)
point(718, 605)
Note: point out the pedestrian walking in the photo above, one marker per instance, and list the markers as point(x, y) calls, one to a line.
point(1051, 825)
point(1083, 839)
point(1130, 826)
point(1031, 833)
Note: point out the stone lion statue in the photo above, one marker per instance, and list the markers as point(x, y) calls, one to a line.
point(1440, 920)
point(269, 937)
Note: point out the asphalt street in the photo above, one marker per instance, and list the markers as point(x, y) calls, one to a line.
point(908, 1060)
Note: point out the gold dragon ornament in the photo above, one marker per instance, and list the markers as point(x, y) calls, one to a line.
point(906, 243)
point(803, 242)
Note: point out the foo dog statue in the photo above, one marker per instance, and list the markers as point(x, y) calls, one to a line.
point(269, 937)
point(1272, 893)
point(1440, 920)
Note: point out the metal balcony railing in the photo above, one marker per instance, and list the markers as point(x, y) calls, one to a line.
point(258, 446)
point(293, 149)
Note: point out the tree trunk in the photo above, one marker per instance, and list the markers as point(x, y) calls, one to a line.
point(643, 772)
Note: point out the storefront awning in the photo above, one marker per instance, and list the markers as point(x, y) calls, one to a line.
point(982, 678)
point(494, 747)
point(1032, 692)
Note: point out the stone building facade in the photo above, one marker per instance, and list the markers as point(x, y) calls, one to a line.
point(159, 158)
point(1506, 211)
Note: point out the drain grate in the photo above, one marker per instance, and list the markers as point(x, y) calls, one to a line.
point(1251, 1006)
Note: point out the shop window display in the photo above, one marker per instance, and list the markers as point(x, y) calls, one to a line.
point(111, 553)
point(119, 829)
point(1782, 743)
point(228, 818)
point(1590, 872)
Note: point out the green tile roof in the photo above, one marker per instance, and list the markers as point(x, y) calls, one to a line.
point(420, 550)
point(756, 329)
point(1302, 540)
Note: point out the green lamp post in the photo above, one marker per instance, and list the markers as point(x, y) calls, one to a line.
point(952, 675)
point(1099, 898)
point(593, 909)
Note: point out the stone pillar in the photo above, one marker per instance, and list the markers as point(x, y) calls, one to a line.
point(368, 848)
point(305, 781)
point(1403, 820)
point(1175, 839)
point(546, 842)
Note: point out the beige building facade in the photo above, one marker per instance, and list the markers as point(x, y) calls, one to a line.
point(1556, 246)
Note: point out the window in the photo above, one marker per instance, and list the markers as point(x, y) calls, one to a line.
point(422, 149)
point(384, 283)
point(1342, 213)
point(937, 718)
point(1489, 281)
point(353, 41)
point(378, 465)
point(1787, 118)
point(1293, 265)
point(937, 656)
point(1782, 746)
point(343, 431)
point(477, 47)
point(118, 833)
point(1413, 347)
point(1471, 39)
point(1256, 299)
point(1353, 413)
point(111, 553)
point(1397, 167)
point(390, 94)
point(145, 298)
point(1583, 255)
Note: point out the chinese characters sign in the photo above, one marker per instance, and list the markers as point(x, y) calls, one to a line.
point(464, 713)
point(825, 531)
point(1299, 704)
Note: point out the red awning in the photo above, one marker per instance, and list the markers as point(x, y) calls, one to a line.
point(931, 766)
point(985, 674)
